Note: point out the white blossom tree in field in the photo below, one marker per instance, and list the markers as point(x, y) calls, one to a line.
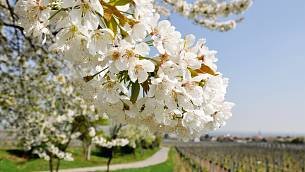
point(41, 107)
point(37, 100)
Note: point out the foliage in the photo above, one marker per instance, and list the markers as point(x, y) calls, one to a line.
point(298, 140)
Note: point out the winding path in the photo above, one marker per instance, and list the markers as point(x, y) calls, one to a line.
point(158, 158)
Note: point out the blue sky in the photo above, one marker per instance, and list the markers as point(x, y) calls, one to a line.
point(264, 57)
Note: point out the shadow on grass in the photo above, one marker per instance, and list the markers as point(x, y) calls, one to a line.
point(106, 152)
point(22, 154)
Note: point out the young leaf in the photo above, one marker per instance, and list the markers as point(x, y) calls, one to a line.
point(110, 11)
point(135, 90)
point(107, 15)
point(120, 2)
point(113, 25)
point(206, 69)
point(145, 86)
point(123, 32)
point(193, 72)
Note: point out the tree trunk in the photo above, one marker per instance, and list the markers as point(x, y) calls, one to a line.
point(141, 150)
point(134, 153)
point(57, 165)
point(109, 159)
point(84, 149)
point(88, 152)
point(87, 146)
point(51, 164)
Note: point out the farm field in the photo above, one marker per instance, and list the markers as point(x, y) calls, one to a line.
point(244, 157)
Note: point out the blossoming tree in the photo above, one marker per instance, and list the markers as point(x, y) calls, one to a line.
point(43, 109)
point(131, 65)
point(37, 101)
point(208, 13)
point(136, 135)
point(40, 110)
point(111, 142)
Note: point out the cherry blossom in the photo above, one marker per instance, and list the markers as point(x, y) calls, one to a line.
point(139, 69)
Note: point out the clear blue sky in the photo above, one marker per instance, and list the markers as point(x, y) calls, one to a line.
point(264, 57)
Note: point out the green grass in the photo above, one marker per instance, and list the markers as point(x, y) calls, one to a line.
point(167, 166)
point(13, 163)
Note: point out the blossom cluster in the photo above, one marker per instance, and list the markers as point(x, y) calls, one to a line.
point(111, 45)
point(136, 135)
point(54, 151)
point(207, 12)
point(110, 143)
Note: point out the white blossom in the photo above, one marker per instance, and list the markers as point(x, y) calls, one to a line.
point(91, 132)
point(109, 144)
point(99, 41)
point(165, 37)
point(137, 69)
point(33, 16)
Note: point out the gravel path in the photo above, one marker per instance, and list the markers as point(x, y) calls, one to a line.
point(158, 158)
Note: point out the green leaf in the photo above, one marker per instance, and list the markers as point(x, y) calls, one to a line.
point(113, 25)
point(135, 90)
point(193, 72)
point(123, 32)
point(102, 122)
point(120, 2)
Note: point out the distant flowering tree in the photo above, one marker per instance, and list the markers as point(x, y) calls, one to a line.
point(111, 142)
point(208, 13)
point(111, 46)
point(136, 135)
point(42, 108)
point(38, 100)
point(88, 131)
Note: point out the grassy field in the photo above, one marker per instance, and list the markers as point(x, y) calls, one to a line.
point(9, 162)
